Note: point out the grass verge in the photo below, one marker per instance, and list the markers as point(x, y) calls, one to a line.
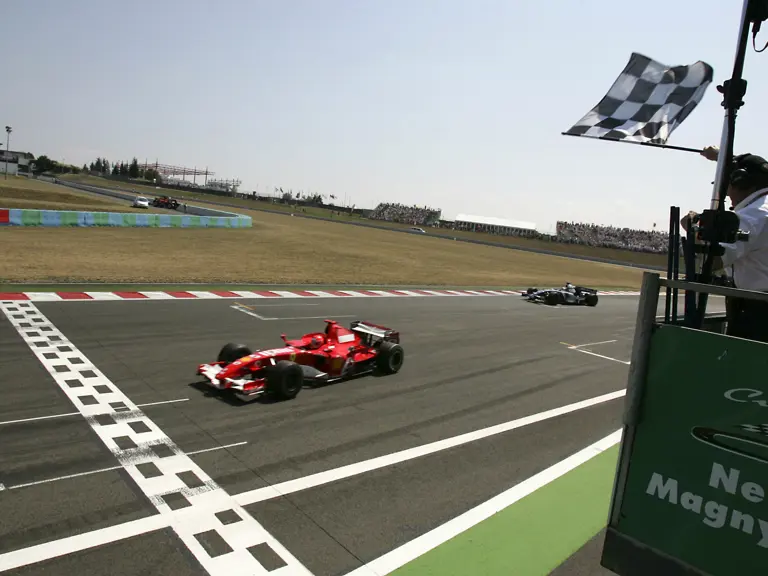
point(32, 194)
point(280, 250)
point(533, 536)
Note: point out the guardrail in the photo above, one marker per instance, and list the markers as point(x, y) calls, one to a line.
point(64, 218)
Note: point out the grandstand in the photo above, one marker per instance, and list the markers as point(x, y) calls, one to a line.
point(177, 176)
point(492, 225)
point(592, 235)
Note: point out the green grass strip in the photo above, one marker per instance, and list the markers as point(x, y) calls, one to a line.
point(533, 536)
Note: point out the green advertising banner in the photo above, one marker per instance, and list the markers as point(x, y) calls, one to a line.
point(698, 472)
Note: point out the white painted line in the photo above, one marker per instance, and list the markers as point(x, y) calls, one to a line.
point(315, 317)
point(80, 542)
point(163, 402)
point(269, 319)
point(185, 496)
point(574, 347)
point(400, 556)
point(276, 490)
point(601, 356)
point(67, 477)
point(287, 305)
point(110, 468)
point(40, 418)
point(78, 413)
point(223, 447)
point(245, 311)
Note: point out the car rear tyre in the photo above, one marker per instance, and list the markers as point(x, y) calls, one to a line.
point(591, 300)
point(390, 358)
point(285, 380)
point(232, 352)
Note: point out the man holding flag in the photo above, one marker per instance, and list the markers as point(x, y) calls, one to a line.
point(748, 261)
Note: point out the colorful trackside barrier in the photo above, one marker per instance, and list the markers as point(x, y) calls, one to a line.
point(61, 218)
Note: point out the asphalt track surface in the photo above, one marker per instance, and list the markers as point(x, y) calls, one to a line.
point(471, 363)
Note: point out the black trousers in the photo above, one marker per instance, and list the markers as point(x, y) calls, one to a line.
point(747, 319)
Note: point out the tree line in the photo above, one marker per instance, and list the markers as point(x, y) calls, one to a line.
point(127, 170)
point(102, 166)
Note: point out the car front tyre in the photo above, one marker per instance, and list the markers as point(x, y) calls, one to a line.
point(285, 380)
point(232, 351)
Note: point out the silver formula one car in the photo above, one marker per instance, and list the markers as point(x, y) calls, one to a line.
point(567, 295)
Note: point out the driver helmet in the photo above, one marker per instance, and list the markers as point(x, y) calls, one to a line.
point(315, 343)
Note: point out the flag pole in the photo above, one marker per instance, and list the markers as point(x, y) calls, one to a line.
point(653, 145)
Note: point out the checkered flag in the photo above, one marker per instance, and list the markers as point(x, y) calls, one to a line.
point(646, 102)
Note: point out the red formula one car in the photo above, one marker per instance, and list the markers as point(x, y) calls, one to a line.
point(335, 354)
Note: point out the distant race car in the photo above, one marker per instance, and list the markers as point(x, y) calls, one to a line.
point(567, 295)
point(140, 202)
point(335, 354)
point(165, 202)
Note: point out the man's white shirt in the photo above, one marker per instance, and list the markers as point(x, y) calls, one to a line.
point(749, 260)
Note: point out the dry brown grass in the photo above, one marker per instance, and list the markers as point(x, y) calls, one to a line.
point(281, 249)
point(638, 258)
point(22, 192)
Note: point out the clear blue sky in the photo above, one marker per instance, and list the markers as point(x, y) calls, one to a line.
point(453, 104)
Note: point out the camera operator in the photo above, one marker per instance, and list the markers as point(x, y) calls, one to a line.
point(748, 192)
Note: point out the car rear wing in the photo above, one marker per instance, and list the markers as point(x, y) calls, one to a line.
point(375, 330)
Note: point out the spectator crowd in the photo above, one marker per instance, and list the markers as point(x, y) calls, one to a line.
point(593, 235)
point(413, 215)
point(613, 237)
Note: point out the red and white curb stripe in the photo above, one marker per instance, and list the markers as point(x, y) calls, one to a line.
point(232, 294)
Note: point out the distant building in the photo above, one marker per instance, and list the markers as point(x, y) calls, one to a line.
point(18, 162)
point(493, 225)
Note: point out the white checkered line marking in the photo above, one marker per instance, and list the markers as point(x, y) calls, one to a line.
point(221, 535)
point(141, 526)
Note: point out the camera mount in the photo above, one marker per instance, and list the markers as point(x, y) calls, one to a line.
point(716, 226)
